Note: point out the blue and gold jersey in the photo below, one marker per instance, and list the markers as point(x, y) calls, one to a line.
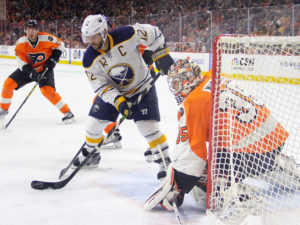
point(122, 70)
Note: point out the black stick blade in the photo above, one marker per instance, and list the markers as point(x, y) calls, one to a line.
point(42, 185)
point(39, 185)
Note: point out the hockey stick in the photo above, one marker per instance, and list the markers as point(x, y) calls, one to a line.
point(42, 185)
point(177, 213)
point(63, 171)
point(34, 87)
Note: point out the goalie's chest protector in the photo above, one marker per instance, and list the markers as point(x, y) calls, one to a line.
point(123, 63)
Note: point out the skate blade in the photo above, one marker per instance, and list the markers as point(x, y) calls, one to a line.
point(86, 167)
point(70, 121)
point(111, 146)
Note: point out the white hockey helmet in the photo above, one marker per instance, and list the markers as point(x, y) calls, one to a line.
point(183, 77)
point(94, 24)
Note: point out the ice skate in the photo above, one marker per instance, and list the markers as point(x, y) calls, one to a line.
point(3, 113)
point(148, 155)
point(92, 163)
point(162, 168)
point(114, 141)
point(68, 117)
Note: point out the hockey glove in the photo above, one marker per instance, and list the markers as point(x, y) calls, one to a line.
point(50, 63)
point(53, 59)
point(162, 59)
point(122, 105)
point(35, 76)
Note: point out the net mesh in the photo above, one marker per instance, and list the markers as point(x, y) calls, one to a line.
point(255, 144)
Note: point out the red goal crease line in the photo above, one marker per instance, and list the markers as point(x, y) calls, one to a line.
point(262, 78)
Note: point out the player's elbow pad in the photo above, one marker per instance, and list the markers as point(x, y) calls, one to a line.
point(147, 56)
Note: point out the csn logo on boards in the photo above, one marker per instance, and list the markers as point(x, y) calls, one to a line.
point(242, 63)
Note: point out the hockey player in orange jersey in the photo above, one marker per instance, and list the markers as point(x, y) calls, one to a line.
point(35, 52)
point(192, 90)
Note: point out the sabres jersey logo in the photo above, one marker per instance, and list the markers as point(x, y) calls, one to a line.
point(121, 74)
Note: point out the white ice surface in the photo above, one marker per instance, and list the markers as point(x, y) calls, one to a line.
point(36, 146)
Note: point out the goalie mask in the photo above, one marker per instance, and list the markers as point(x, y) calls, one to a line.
point(183, 77)
point(94, 24)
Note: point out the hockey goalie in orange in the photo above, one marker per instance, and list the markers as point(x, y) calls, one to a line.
point(243, 126)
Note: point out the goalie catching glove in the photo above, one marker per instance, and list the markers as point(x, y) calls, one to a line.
point(122, 105)
point(162, 59)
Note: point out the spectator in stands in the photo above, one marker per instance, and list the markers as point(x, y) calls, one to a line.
point(188, 47)
point(199, 47)
point(178, 48)
point(194, 16)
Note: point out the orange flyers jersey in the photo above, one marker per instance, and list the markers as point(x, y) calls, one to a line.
point(190, 153)
point(38, 55)
point(244, 124)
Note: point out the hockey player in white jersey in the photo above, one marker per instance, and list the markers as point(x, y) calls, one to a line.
point(117, 72)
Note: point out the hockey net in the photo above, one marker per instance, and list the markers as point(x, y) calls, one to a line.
point(254, 151)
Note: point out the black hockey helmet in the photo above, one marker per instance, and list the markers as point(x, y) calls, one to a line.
point(32, 23)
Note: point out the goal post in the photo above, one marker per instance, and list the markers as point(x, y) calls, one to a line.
point(254, 149)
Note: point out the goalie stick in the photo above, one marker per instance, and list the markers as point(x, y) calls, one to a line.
point(42, 185)
point(176, 211)
point(34, 87)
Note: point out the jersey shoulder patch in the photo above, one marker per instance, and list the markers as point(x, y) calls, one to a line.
point(89, 56)
point(122, 34)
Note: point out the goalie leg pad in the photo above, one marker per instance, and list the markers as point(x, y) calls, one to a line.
point(166, 193)
point(199, 194)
